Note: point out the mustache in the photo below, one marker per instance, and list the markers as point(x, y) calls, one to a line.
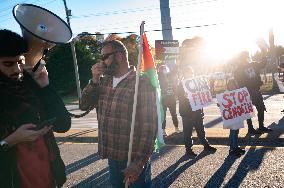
point(17, 76)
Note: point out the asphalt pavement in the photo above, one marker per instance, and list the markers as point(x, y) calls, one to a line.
point(261, 166)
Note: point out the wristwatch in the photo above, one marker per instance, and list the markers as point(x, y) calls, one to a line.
point(4, 145)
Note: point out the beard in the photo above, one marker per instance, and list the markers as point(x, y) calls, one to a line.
point(14, 78)
point(112, 68)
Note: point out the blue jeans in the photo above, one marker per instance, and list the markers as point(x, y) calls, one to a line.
point(233, 139)
point(116, 175)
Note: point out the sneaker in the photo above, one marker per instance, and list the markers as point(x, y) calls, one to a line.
point(177, 130)
point(164, 132)
point(253, 131)
point(210, 148)
point(235, 153)
point(240, 150)
point(190, 153)
point(264, 129)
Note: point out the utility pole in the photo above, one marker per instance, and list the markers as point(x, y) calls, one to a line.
point(68, 13)
point(167, 27)
point(166, 20)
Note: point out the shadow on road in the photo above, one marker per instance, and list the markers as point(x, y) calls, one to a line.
point(218, 177)
point(251, 161)
point(213, 122)
point(99, 179)
point(81, 163)
point(272, 139)
point(168, 176)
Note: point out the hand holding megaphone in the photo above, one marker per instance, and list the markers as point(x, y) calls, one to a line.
point(42, 29)
point(40, 76)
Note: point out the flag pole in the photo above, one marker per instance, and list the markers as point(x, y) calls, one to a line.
point(135, 96)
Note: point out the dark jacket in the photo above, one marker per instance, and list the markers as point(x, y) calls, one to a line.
point(168, 83)
point(26, 102)
point(249, 76)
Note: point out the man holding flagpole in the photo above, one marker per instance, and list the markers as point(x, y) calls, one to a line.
point(111, 90)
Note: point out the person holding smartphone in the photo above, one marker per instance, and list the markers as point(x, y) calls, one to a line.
point(29, 155)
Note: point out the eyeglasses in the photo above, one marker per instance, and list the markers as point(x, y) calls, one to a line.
point(106, 56)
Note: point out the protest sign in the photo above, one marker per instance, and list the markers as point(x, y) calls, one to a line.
point(198, 92)
point(235, 106)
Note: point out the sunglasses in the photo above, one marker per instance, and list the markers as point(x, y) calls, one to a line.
point(106, 56)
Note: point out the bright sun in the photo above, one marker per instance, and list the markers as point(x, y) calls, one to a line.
point(244, 22)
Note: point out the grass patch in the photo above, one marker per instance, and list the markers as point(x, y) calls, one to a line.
point(70, 99)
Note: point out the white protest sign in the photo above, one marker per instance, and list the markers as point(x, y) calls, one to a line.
point(235, 106)
point(198, 92)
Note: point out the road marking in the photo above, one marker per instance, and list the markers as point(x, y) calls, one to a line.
point(77, 143)
point(178, 145)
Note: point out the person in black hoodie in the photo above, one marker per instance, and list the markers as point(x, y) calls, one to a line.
point(191, 118)
point(248, 75)
point(29, 156)
point(168, 82)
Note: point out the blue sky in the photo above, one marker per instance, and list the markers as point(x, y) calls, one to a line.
point(239, 22)
point(93, 15)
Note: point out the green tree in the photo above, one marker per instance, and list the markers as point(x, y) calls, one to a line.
point(61, 68)
point(60, 62)
point(131, 42)
point(91, 43)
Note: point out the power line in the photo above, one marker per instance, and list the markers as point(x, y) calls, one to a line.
point(10, 7)
point(1, 21)
point(154, 30)
point(7, 14)
point(153, 19)
point(140, 9)
point(48, 3)
point(152, 24)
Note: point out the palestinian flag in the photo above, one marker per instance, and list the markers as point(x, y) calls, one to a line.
point(148, 67)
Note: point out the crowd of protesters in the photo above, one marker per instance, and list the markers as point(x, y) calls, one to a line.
point(27, 152)
point(244, 74)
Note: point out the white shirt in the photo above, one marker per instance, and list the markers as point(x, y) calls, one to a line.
point(115, 81)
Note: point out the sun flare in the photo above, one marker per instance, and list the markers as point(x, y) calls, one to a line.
point(244, 22)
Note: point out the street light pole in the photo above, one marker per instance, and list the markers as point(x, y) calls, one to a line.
point(68, 13)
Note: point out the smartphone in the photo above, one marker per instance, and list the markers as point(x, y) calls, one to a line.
point(44, 123)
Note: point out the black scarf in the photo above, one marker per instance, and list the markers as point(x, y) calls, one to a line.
point(19, 103)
